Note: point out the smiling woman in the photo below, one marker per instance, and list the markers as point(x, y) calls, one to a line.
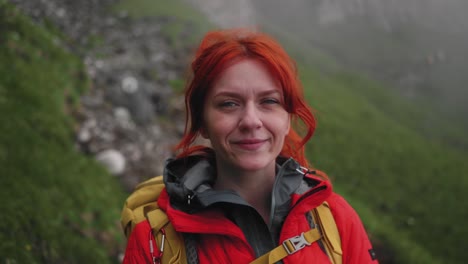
point(248, 197)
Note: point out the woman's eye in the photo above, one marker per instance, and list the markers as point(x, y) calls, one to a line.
point(271, 101)
point(227, 104)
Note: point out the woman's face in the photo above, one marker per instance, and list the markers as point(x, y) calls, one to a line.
point(244, 118)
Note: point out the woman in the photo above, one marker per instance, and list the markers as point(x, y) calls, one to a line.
point(248, 192)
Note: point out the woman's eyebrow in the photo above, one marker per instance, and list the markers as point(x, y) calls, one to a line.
point(227, 94)
point(270, 92)
point(238, 94)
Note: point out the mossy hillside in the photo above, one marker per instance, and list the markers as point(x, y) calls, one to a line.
point(410, 183)
point(58, 206)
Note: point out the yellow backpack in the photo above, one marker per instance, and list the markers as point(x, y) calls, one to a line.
point(141, 206)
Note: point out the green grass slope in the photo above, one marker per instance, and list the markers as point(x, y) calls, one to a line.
point(409, 188)
point(57, 205)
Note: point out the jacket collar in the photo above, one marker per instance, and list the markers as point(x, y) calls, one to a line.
point(192, 205)
point(189, 183)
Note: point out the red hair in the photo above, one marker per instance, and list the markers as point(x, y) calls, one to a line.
point(219, 50)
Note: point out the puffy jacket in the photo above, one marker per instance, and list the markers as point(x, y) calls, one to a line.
point(228, 230)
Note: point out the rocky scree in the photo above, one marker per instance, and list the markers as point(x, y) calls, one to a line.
point(130, 118)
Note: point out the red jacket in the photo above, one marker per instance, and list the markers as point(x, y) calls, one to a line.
point(221, 241)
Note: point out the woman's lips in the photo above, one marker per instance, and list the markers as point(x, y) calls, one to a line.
point(250, 144)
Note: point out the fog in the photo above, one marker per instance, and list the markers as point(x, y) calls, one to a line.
point(418, 47)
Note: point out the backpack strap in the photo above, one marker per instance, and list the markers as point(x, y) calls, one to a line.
point(331, 237)
point(142, 200)
point(171, 247)
point(325, 229)
point(166, 244)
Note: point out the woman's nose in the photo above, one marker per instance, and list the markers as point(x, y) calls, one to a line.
point(250, 118)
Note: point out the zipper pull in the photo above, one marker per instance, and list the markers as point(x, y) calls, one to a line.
point(304, 171)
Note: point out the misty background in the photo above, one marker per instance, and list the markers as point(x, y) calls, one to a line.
point(418, 47)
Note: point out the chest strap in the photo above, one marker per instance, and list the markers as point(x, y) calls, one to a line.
point(325, 229)
point(289, 246)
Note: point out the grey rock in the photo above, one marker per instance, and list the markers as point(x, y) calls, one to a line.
point(113, 160)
